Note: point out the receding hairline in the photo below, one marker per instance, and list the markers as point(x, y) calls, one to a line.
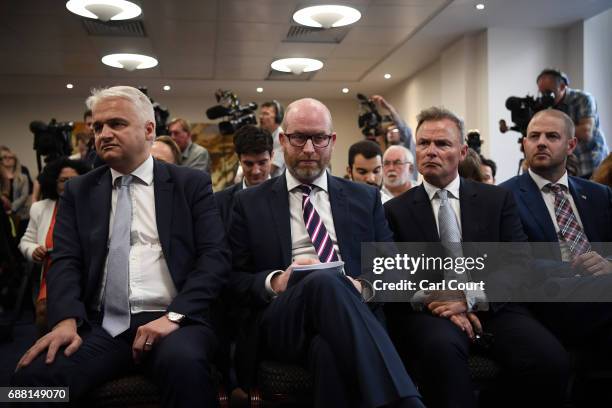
point(408, 156)
point(307, 102)
point(568, 123)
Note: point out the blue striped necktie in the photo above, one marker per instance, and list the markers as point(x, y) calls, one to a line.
point(316, 229)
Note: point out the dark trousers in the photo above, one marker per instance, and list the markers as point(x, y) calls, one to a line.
point(178, 364)
point(535, 366)
point(323, 323)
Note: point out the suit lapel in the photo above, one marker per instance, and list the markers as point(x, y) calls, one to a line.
point(531, 198)
point(471, 212)
point(581, 201)
point(424, 216)
point(99, 213)
point(278, 203)
point(163, 188)
point(340, 214)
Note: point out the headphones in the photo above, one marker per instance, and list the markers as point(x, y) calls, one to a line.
point(280, 112)
point(560, 75)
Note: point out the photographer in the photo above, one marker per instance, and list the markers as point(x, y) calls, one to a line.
point(580, 106)
point(398, 132)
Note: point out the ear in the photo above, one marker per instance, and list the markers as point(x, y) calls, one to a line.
point(571, 145)
point(333, 139)
point(463, 152)
point(349, 171)
point(149, 131)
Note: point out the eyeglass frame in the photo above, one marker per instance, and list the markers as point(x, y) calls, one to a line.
point(309, 137)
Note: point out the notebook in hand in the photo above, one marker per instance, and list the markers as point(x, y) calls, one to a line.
point(299, 272)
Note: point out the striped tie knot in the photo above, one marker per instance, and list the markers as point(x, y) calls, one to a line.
point(556, 188)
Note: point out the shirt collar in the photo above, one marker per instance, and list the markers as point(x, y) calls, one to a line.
point(244, 184)
point(293, 183)
point(452, 188)
point(144, 172)
point(541, 182)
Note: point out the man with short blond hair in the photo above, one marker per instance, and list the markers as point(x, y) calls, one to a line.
point(192, 155)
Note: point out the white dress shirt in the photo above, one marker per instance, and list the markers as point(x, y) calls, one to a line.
point(549, 200)
point(41, 213)
point(151, 288)
point(301, 244)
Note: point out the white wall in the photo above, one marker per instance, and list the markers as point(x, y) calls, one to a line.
point(17, 115)
point(598, 65)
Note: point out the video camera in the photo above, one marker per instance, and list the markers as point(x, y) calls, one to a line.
point(161, 114)
point(473, 140)
point(237, 115)
point(369, 119)
point(523, 109)
point(51, 140)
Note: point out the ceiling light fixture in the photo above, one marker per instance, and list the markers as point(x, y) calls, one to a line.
point(104, 10)
point(259, 90)
point(129, 62)
point(345, 90)
point(297, 65)
point(326, 16)
point(387, 76)
point(69, 86)
point(167, 87)
point(479, 6)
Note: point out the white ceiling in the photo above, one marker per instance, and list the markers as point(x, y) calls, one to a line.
point(202, 45)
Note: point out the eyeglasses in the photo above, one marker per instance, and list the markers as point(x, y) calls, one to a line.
point(299, 140)
point(395, 163)
point(8, 157)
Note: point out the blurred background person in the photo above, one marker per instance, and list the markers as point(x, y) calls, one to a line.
point(398, 167)
point(83, 141)
point(489, 169)
point(365, 165)
point(603, 174)
point(37, 242)
point(166, 150)
point(192, 155)
point(270, 117)
point(19, 190)
point(397, 133)
point(471, 166)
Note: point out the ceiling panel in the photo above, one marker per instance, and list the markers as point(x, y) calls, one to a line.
point(287, 50)
point(187, 67)
point(356, 50)
point(251, 31)
point(400, 16)
point(256, 12)
point(376, 35)
point(161, 10)
point(246, 48)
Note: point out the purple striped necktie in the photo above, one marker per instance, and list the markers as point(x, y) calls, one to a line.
point(569, 229)
point(316, 229)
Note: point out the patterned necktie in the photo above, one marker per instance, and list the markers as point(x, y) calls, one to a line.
point(448, 225)
point(569, 229)
point(116, 299)
point(316, 229)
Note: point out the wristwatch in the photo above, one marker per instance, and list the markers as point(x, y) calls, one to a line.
point(175, 317)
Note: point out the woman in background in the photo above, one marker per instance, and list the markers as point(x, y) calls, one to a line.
point(19, 189)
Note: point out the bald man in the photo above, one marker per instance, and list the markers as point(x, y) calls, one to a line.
point(306, 216)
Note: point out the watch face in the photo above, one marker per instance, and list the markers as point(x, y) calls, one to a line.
point(175, 317)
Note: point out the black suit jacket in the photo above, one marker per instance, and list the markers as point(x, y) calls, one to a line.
point(189, 228)
point(488, 214)
point(225, 202)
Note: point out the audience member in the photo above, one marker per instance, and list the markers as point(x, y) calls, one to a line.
point(19, 190)
point(166, 150)
point(116, 299)
point(603, 174)
point(434, 333)
point(306, 216)
point(489, 170)
point(270, 118)
point(365, 165)
point(591, 148)
point(192, 155)
point(398, 168)
point(37, 243)
point(471, 166)
point(254, 148)
point(82, 146)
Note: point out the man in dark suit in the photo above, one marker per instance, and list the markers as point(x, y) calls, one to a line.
point(254, 149)
point(435, 339)
point(138, 260)
point(576, 214)
point(306, 216)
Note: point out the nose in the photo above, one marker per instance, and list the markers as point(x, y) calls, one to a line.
point(370, 177)
point(308, 147)
point(256, 170)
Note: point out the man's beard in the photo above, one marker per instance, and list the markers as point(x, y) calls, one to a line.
point(306, 175)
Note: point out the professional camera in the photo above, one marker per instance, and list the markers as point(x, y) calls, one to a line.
point(369, 120)
point(161, 114)
point(474, 141)
point(51, 140)
point(523, 109)
point(229, 107)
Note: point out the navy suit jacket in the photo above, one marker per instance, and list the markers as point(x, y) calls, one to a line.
point(488, 214)
point(190, 232)
point(225, 202)
point(593, 201)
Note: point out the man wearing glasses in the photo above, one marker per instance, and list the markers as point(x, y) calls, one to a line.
point(306, 216)
point(398, 168)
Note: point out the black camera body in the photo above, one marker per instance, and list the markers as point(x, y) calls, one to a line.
point(369, 120)
point(161, 114)
point(52, 140)
point(523, 109)
point(236, 115)
point(473, 140)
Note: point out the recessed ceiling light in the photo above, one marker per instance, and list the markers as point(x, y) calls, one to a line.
point(104, 10)
point(480, 6)
point(345, 90)
point(326, 16)
point(297, 65)
point(167, 87)
point(69, 86)
point(259, 90)
point(387, 76)
point(129, 62)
